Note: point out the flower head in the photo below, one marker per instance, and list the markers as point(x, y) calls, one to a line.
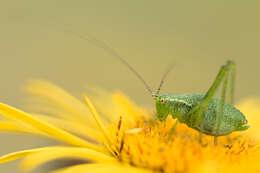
point(116, 135)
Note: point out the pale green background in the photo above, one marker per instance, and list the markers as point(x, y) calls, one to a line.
point(199, 36)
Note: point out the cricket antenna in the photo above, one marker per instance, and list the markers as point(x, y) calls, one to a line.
point(111, 51)
point(163, 78)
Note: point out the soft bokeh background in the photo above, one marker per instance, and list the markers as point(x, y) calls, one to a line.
point(198, 36)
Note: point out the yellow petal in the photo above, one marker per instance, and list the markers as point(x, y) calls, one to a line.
point(10, 126)
point(104, 104)
point(129, 111)
point(102, 168)
point(19, 154)
point(61, 99)
point(53, 153)
point(97, 118)
point(45, 127)
point(73, 127)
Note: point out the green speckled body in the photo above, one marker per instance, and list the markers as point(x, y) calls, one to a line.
point(179, 106)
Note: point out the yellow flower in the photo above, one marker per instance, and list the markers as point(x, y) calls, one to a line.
point(123, 137)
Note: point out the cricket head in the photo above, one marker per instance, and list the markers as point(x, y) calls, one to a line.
point(162, 107)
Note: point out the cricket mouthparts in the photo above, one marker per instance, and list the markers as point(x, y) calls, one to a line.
point(244, 126)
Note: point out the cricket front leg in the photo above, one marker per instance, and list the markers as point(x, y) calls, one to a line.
point(172, 131)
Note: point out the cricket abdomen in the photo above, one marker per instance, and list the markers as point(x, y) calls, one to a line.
point(179, 106)
point(230, 121)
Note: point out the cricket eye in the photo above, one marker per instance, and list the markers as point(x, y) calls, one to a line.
point(162, 100)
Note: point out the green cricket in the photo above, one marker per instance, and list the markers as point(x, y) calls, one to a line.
point(202, 112)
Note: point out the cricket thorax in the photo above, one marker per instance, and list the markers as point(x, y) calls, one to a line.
point(175, 105)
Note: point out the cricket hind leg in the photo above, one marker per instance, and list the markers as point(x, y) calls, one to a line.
point(231, 73)
point(232, 89)
point(196, 114)
point(220, 113)
point(230, 67)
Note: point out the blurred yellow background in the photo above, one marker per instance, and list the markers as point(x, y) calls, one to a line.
point(198, 36)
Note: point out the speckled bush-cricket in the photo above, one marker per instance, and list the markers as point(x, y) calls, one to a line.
point(202, 112)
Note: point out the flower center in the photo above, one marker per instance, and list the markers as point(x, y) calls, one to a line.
point(163, 148)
